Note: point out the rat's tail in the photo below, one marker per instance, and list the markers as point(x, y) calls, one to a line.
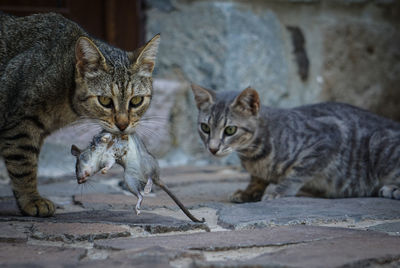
point(179, 203)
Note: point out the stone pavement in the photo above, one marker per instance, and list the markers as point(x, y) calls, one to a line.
point(95, 224)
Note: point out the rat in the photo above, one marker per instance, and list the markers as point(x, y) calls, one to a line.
point(141, 169)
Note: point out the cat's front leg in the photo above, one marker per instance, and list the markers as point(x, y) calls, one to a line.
point(288, 187)
point(20, 148)
point(252, 193)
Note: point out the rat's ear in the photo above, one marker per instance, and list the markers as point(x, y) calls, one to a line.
point(75, 151)
point(106, 138)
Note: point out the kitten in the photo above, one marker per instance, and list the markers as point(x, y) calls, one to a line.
point(53, 73)
point(330, 150)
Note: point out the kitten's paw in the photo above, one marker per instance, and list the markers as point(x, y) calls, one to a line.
point(270, 196)
point(243, 196)
point(38, 207)
point(390, 191)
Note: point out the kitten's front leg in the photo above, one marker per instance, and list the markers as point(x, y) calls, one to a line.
point(288, 187)
point(20, 148)
point(252, 193)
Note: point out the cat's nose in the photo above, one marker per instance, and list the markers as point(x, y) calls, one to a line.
point(122, 121)
point(122, 126)
point(213, 150)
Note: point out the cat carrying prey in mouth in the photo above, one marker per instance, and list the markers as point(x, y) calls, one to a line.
point(141, 169)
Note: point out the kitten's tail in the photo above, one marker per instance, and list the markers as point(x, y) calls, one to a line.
point(161, 184)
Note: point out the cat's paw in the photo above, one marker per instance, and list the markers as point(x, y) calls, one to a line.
point(390, 191)
point(38, 207)
point(243, 196)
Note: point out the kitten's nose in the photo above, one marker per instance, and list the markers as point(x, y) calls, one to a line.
point(213, 150)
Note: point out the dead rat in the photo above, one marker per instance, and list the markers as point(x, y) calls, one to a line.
point(141, 169)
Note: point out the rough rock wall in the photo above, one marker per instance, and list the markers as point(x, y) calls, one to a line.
point(293, 52)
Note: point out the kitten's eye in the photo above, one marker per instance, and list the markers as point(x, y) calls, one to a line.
point(230, 130)
point(136, 101)
point(205, 128)
point(105, 101)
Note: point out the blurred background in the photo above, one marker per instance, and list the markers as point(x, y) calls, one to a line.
point(293, 52)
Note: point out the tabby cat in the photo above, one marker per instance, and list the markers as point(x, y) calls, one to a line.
point(53, 73)
point(330, 150)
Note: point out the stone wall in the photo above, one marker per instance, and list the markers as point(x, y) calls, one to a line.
point(293, 52)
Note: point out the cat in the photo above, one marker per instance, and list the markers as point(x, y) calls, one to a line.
point(52, 74)
point(330, 150)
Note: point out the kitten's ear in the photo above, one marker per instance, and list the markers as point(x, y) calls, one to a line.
point(75, 151)
point(88, 57)
point(248, 102)
point(145, 57)
point(202, 96)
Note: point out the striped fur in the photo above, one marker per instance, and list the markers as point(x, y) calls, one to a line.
point(330, 150)
point(53, 73)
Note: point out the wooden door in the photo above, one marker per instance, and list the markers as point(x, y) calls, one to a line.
point(118, 22)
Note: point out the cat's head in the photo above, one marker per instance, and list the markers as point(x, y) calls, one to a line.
point(113, 87)
point(227, 121)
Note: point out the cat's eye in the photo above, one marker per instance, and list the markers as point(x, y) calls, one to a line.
point(205, 128)
point(136, 101)
point(105, 101)
point(230, 130)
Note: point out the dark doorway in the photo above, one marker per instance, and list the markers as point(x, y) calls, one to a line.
point(118, 22)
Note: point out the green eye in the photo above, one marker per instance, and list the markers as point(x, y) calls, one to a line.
point(136, 101)
point(230, 130)
point(205, 128)
point(105, 101)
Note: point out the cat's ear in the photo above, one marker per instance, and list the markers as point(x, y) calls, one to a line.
point(75, 151)
point(203, 96)
point(144, 59)
point(248, 102)
point(88, 57)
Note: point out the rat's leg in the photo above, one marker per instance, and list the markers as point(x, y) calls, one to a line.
point(139, 203)
point(133, 186)
point(149, 184)
point(108, 165)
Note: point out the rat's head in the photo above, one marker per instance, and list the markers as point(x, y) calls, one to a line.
point(87, 160)
point(84, 166)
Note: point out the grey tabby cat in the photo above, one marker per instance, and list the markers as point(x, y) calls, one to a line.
point(327, 150)
point(53, 73)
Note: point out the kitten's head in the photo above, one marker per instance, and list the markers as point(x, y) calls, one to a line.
point(113, 87)
point(227, 121)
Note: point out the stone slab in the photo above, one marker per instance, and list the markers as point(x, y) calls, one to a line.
point(191, 195)
point(9, 207)
point(151, 257)
point(187, 175)
point(390, 227)
point(224, 240)
point(23, 255)
point(76, 231)
point(301, 210)
point(361, 251)
point(150, 222)
point(71, 187)
point(14, 231)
